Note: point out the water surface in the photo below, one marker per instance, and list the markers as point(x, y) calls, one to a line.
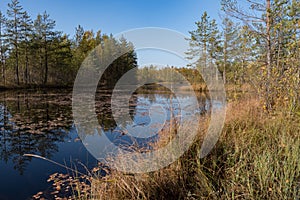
point(41, 123)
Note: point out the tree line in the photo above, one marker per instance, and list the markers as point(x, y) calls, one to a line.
point(168, 74)
point(33, 52)
point(258, 43)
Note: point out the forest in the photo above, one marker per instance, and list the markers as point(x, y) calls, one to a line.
point(255, 50)
point(34, 54)
point(259, 47)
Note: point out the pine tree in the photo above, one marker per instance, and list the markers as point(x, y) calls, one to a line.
point(230, 42)
point(275, 27)
point(3, 46)
point(37, 43)
point(26, 32)
point(205, 45)
point(286, 51)
point(44, 35)
point(14, 26)
point(246, 54)
point(79, 32)
point(61, 71)
point(198, 42)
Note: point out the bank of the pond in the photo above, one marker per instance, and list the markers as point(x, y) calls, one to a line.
point(34, 87)
point(256, 157)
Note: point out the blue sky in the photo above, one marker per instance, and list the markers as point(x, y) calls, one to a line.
point(115, 16)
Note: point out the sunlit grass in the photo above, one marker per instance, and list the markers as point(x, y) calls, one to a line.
point(257, 157)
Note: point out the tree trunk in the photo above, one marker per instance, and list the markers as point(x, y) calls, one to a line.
point(17, 66)
point(26, 66)
point(269, 62)
point(2, 60)
point(3, 72)
point(225, 61)
point(46, 66)
point(17, 52)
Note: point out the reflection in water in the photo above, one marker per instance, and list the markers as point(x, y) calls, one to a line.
point(41, 123)
point(139, 104)
point(32, 124)
point(122, 135)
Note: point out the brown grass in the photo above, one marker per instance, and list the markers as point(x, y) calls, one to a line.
point(256, 157)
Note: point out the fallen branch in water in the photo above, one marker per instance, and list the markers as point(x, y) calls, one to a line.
point(51, 161)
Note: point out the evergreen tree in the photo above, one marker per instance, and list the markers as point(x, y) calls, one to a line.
point(3, 46)
point(275, 27)
point(198, 42)
point(26, 32)
point(44, 35)
point(79, 32)
point(205, 43)
point(286, 51)
point(230, 42)
point(40, 55)
point(14, 27)
point(246, 54)
point(61, 71)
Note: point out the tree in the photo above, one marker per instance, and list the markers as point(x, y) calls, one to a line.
point(198, 42)
point(286, 51)
point(79, 32)
point(83, 43)
point(62, 71)
point(3, 46)
point(14, 26)
point(230, 42)
point(205, 43)
point(40, 55)
point(26, 32)
point(246, 54)
point(109, 47)
point(258, 23)
point(274, 25)
point(44, 35)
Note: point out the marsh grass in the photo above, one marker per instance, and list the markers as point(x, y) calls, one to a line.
point(256, 157)
point(200, 87)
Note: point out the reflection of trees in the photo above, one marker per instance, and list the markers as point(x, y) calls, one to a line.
point(32, 123)
point(154, 93)
point(103, 103)
point(138, 106)
point(103, 109)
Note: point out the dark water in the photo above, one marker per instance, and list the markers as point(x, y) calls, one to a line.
point(41, 123)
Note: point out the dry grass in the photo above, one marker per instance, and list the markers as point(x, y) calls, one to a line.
point(257, 157)
point(201, 87)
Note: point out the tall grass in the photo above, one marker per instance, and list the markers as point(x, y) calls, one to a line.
point(257, 157)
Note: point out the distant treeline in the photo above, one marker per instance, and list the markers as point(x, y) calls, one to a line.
point(33, 53)
point(170, 74)
point(258, 43)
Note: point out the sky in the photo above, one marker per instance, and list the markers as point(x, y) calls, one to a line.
point(115, 16)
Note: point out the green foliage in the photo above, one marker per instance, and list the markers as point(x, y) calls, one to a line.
point(169, 74)
point(257, 157)
point(230, 43)
point(32, 52)
point(205, 42)
point(269, 50)
point(3, 47)
point(15, 34)
point(120, 65)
